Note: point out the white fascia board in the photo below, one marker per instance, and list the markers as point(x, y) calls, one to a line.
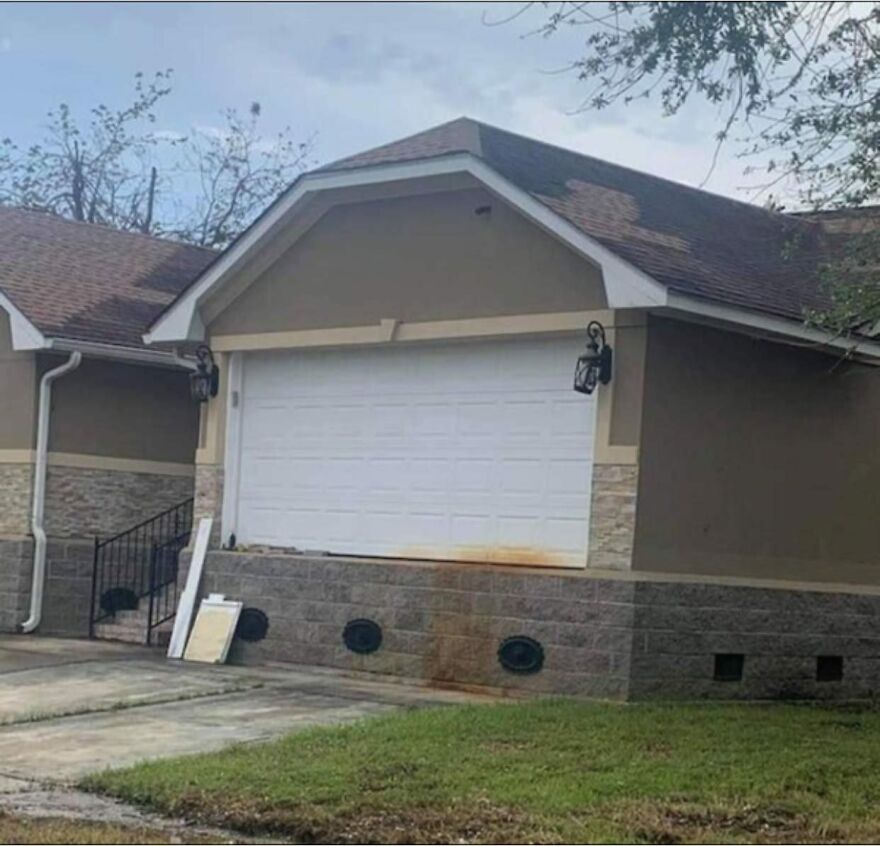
point(626, 286)
point(767, 323)
point(25, 336)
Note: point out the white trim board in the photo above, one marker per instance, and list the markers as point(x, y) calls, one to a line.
point(190, 594)
point(232, 455)
point(625, 285)
point(25, 336)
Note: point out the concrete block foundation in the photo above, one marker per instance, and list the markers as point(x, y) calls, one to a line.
point(67, 593)
point(603, 636)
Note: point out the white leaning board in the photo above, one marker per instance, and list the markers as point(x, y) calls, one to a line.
point(213, 630)
point(190, 593)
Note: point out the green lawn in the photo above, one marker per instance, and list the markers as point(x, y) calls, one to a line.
point(538, 772)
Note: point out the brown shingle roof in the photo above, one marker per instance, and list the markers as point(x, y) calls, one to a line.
point(695, 242)
point(88, 282)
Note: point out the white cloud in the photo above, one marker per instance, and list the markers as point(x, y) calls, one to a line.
point(356, 75)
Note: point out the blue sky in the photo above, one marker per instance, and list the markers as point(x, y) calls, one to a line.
point(354, 75)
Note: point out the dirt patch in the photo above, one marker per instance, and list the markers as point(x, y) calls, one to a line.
point(64, 831)
point(473, 821)
point(35, 813)
point(691, 823)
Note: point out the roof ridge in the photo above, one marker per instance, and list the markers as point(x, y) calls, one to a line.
point(462, 119)
point(57, 218)
point(641, 173)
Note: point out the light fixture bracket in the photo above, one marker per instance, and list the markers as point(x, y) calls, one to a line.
point(593, 366)
point(204, 381)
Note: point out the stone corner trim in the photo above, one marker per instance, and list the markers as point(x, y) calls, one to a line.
point(613, 516)
point(209, 497)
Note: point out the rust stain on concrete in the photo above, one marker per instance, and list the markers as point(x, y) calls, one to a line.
point(528, 556)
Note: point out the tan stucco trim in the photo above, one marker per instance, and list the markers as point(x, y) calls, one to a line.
point(379, 333)
point(737, 581)
point(605, 451)
point(16, 456)
point(99, 462)
point(607, 454)
point(212, 428)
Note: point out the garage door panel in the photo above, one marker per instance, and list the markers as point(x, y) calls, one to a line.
point(477, 451)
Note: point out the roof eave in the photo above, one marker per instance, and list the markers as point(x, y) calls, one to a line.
point(793, 331)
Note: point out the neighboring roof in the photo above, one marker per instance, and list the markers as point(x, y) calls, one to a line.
point(694, 242)
point(855, 221)
point(86, 282)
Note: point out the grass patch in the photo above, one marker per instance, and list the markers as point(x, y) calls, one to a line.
point(541, 772)
point(64, 831)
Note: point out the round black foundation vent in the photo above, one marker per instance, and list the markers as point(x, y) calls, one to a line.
point(362, 636)
point(252, 625)
point(119, 599)
point(521, 654)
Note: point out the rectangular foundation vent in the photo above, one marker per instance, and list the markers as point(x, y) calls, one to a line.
point(729, 666)
point(829, 668)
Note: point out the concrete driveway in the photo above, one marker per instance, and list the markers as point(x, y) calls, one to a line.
point(69, 707)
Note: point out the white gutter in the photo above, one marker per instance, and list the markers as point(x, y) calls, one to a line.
point(38, 580)
point(863, 349)
point(134, 355)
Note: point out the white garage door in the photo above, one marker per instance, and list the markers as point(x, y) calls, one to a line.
point(458, 451)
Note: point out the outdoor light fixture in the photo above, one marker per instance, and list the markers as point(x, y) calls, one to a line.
point(204, 381)
point(594, 365)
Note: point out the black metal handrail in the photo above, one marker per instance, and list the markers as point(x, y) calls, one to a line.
point(139, 562)
point(164, 562)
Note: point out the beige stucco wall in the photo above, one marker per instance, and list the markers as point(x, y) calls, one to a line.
point(106, 408)
point(418, 258)
point(757, 459)
point(17, 392)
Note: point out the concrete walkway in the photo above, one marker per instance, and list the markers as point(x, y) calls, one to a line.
point(70, 707)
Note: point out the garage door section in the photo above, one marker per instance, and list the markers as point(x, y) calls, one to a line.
point(458, 451)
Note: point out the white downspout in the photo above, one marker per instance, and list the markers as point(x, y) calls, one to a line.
point(38, 580)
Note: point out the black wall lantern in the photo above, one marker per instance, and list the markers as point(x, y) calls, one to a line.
point(204, 381)
point(594, 366)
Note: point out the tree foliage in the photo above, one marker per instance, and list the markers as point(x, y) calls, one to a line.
point(797, 85)
point(202, 186)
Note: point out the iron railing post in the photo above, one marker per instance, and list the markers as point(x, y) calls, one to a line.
point(94, 588)
point(152, 577)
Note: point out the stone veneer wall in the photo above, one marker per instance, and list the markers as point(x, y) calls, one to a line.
point(613, 516)
point(80, 503)
point(16, 483)
point(84, 502)
point(209, 497)
point(625, 638)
